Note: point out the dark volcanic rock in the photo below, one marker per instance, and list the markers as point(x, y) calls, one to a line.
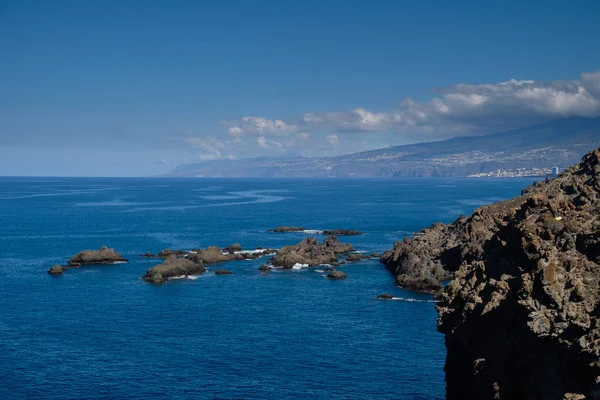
point(232, 248)
point(56, 270)
point(165, 253)
point(356, 257)
point(385, 296)
point(342, 232)
point(338, 247)
point(522, 316)
point(173, 267)
point(264, 268)
point(213, 255)
point(337, 275)
point(287, 229)
point(375, 255)
point(308, 252)
point(102, 256)
point(223, 272)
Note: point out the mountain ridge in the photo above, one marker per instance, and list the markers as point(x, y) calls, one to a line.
point(555, 143)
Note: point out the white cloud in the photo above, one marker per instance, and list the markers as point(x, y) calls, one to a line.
point(259, 126)
point(267, 144)
point(458, 109)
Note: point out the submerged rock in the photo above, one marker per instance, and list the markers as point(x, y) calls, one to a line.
point(223, 272)
point(102, 256)
point(287, 229)
point(356, 257)
point(173, 267)
point(264, 268)
point(337, 275)
point(165, 253)
point(385, 296)
point(56, 270)
point(521, 317)
point(342, 232)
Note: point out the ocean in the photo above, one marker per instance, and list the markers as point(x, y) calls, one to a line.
point(101, 332)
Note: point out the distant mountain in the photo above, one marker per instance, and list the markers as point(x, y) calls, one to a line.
point(558, 143)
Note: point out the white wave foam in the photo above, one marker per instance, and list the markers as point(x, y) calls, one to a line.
point(312, 231)
point(299, 266)
point(257, 251)
point(319, 270)
point(413, 300)
point(119, 262)
point(190, 277)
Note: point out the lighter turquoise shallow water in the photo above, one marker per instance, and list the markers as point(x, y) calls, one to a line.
point(101, 332)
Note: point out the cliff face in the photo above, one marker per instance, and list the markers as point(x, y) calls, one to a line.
point(522, 315)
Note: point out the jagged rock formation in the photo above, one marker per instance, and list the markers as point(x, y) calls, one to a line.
point(522, 315)
point(173, 267)
point(310, 252)
point(102, 256)
point(232, 248)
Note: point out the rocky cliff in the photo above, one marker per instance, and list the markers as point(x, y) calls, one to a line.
point(522, 315)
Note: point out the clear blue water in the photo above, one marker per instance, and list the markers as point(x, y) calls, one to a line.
point(101, 332)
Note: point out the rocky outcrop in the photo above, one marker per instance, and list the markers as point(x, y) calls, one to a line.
point(102, 256)
point(307, 252)
point(332, 242)
point(357, 257)
point(264, 268)
point(223, 272)
point(287, 229)
point(385, 296)
point(213, 255)
point(173, 267)
point(432, 255)
point(521, 317)
point(165, 253)
point(232, 248)
point(342, 232)
point(56, 270)
point(336, 275)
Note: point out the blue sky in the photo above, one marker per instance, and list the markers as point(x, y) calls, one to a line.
point(135, 88)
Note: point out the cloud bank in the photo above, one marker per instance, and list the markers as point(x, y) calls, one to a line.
point(458, 110)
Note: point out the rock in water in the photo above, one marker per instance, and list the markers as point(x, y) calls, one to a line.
point(342, 232)
point(173, 267)
point(287, 229)
point(165, 253)
point(385, 296)
point(213, 255)
point(522, 315)
point(223, 272)
point(307, 252)
point(337, 275)
point(232, 248)
point(338, 247)
point(56, 270)
point(102, 256)
point(264, 268)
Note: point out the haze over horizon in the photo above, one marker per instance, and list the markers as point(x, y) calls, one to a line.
point(107, 88)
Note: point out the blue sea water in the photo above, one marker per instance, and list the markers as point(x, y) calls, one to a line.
point(100, 332)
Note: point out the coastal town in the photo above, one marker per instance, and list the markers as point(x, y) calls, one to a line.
point(518, 173)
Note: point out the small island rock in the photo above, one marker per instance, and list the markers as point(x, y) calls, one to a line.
point(223, 272)
point(336, 275)
point(385, 296)
point(173, 267)
point(56, 270)
point(103, 256)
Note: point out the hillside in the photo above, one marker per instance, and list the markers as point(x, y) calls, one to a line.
point(557, 143)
